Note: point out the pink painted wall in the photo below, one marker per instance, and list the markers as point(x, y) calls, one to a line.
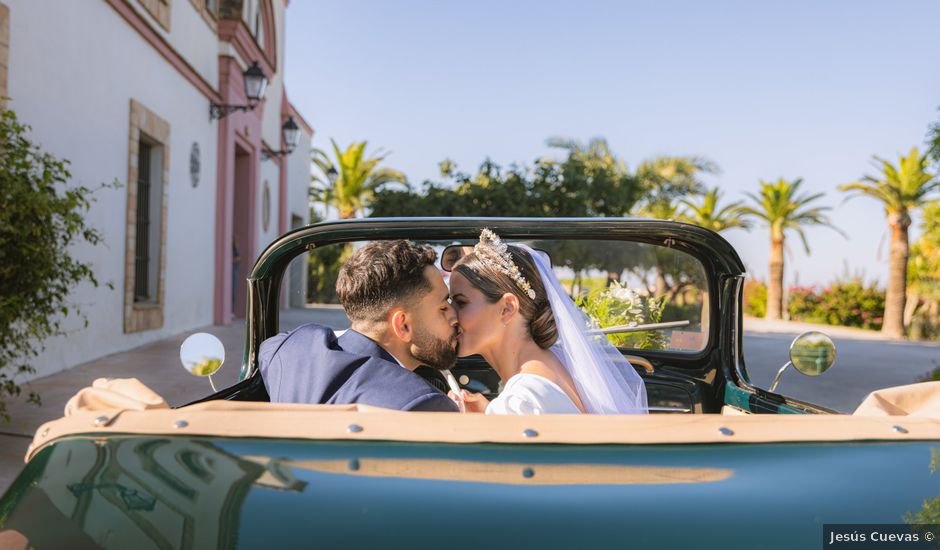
point(242, 130)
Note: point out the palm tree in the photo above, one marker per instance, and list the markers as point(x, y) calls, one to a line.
point(353, 180)
point(901, 189)
point(595, 154)
point(933, 142)
point(664, 179)
point(708, 215)
point(659, 210)
point(592, 171)
point(781, 207)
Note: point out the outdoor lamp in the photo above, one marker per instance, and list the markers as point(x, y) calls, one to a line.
point(291, 135)
point(255, 82)
point(332, 174)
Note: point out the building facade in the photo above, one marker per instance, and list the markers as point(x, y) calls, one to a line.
point(122, 89)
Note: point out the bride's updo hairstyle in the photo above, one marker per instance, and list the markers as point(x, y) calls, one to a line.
point(489, 279)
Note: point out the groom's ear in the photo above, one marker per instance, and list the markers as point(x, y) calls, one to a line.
point(400, 323)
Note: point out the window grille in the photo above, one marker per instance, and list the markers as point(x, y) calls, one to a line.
point(142, 291)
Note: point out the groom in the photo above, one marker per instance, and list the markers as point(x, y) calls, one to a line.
point(401, 319)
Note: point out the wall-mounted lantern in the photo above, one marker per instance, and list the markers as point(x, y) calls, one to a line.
point(291, 134)
point(255, 82)
point(331, 175)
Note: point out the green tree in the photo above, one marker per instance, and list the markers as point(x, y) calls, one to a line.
point(781, 207)
point(665, 179)
point(596, 178)
point(922, 310)
point(41, 219)
point(655, 187)
point(548, 189)
point(517, 191)
point(933, 142)
point(490, 192)
point(660, 210)
point(901, 189)
point(590, 181)
point(350, 182)
point(924, 269)
point(707, 213)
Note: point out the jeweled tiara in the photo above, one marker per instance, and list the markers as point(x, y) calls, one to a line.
point(491, 249)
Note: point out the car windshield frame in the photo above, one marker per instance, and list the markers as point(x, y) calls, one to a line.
point(717, 257)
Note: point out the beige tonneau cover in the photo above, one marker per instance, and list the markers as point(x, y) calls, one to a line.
point(128, 407)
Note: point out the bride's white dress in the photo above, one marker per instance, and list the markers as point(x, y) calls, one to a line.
point(532, 394)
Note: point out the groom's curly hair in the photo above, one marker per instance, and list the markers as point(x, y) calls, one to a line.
point(382, 275)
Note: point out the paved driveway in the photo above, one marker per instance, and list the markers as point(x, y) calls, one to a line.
point(861, 366)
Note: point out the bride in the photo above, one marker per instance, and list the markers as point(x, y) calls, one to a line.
point(513, 311)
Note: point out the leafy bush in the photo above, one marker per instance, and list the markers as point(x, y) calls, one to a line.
point(923, 274)
point(850, 303)
point(584, 284)
point(755, 298)
point(925, 323)
point(618, 305)
point(41, 218)
point(804, 304)
point(689, 310)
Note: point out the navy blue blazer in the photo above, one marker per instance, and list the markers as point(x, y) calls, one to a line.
point(311, 365)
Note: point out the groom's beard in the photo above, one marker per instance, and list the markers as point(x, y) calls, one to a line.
point(433, 351)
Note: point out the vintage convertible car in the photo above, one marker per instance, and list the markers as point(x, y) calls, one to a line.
point(719, 464)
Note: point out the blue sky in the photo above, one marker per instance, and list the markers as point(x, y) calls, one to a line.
point(790, 89)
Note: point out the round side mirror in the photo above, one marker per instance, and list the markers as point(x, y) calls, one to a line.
point(202, 354)
point(812, 353)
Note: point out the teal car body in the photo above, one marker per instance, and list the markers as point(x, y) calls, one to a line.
point(177, 490)
point(137, 492)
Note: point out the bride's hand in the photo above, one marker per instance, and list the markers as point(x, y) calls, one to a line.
point(473, 402)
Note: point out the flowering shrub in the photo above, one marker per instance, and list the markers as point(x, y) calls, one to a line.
point(804, 304)
point(621, 305)
point(755, 298)
point(850, 303)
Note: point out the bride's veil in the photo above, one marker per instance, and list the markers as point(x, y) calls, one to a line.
point(605, 380)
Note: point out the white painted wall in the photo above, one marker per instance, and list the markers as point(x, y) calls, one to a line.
point(77, 99)
point(271, 119)
point(190, 35)
point(271, 123)
point(298, 180)
point(298, 163)
point(195, 40)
